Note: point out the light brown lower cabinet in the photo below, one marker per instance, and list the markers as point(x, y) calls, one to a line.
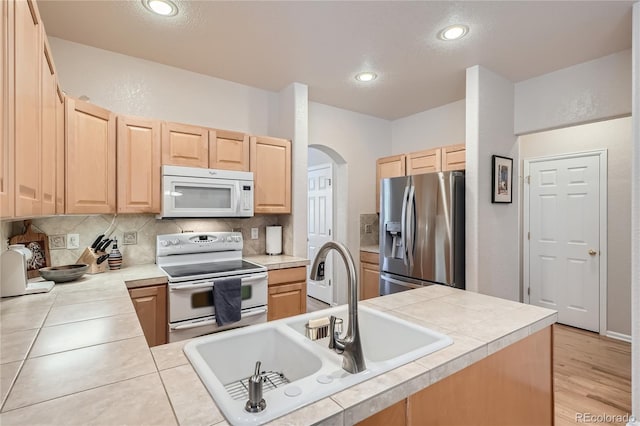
point(513, 386)
point(287, 293)
point(369, 275)
point(151, 306)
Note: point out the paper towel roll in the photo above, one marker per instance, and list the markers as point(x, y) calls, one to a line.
point(274, 240)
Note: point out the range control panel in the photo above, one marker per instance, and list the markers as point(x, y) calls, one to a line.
point(198, 242)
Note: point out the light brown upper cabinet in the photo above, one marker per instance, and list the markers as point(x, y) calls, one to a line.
point(91, 158)
point(271, 166)
point(60, 150)
point(138, 165)
point(27, 150)
point(49, 95)
point(387, 167)
point(427, 161)
point(184, 145)
point(228, 150)
point(6, 113)
point(453, 157)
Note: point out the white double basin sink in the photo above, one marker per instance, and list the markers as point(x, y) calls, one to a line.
point(312, 370)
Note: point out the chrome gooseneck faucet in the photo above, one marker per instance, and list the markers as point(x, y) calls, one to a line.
point(350, 347)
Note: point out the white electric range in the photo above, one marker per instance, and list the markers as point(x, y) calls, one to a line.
point(192, 262)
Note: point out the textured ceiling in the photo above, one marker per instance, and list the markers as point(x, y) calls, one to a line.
point(324, 44)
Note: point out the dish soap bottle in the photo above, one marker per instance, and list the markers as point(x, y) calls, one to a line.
point(115, 257)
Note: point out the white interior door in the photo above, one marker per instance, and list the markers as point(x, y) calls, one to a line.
point(564, 238)
point(320, 222)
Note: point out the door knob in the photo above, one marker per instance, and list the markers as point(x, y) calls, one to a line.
point(592, 252)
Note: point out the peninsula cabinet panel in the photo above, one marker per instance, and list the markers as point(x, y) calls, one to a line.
point(49, 94)
point(396, 415)
point(28, 148)
point(369, 275)
point(454, 157)
point(91, 159)
point(428, 161)
point(228, 150)
point(60, 151)
point(271, 166)
point(6, 112)
point(287, 293)
point(513, 386)
point(388, 167)
point(138, 165)
point(150, 304)
point(184, 145)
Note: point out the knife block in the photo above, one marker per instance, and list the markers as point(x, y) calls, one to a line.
point(90, 257)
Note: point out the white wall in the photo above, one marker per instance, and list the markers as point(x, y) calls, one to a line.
point(317, 157)
point(128, 85)
point(591, 91)
point(359, 139)
point(444, 125)
point(491, 229)
point(615, 137)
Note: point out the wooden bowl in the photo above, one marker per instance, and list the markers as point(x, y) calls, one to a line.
point(65, 273)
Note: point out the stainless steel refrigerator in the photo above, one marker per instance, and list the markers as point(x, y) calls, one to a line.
point(422, 231)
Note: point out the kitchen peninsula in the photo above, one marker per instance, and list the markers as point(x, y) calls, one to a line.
point(78, 355)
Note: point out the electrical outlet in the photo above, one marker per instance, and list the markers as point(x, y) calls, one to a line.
point(129, 238)
point(73, 241)
point(367, 228)
point(254, 233)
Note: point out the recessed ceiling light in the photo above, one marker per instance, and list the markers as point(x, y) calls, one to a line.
point(161, 7)
point(453, 32)
point(366, 76)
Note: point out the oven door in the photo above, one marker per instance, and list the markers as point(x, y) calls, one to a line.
point(194, 299)
point(206, 197)
point(207, 325)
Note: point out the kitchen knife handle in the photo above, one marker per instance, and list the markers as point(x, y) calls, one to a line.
point(97, 241)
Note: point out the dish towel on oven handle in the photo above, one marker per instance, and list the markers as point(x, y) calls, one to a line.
point(227, 300)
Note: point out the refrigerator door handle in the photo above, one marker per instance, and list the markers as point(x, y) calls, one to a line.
point(452, 192)
point(403, 223)
point(398, 282)
point(411, 201)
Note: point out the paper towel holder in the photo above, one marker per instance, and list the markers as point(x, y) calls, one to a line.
point(274, 240)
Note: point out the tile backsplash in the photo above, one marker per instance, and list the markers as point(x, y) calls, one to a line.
point(369, 222)
point(146, 227)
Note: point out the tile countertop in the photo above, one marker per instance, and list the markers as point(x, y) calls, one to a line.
point(77, 355)
point(372, 249)
point(278, 261)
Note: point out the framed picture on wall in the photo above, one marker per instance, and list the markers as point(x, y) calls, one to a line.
point(502, 179)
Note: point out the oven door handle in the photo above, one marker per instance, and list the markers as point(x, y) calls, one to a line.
point(192, 286)
point(249, 313)
point(255, 278)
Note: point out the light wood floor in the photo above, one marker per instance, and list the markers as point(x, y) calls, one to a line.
point(592, 374)
point(315, 305)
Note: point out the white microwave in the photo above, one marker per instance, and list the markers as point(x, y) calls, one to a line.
point(199, 192)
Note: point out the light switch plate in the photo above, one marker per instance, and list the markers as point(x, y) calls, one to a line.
point(367, 228)
point(254, 233)
point(73, 241)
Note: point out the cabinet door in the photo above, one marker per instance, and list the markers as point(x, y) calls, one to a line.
point(151, 306)
point(184, 145)
point(60, 151)
point(427, 161)
point(49, 96)
point(287, 293)
point(395, 415)
point(369, 275)
point(6, 112)
point(387, 167)
point(91, 158)
point(28, 153)
point(271, 166)
point(453, 157)
point(228, 150)
point(138, 165)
